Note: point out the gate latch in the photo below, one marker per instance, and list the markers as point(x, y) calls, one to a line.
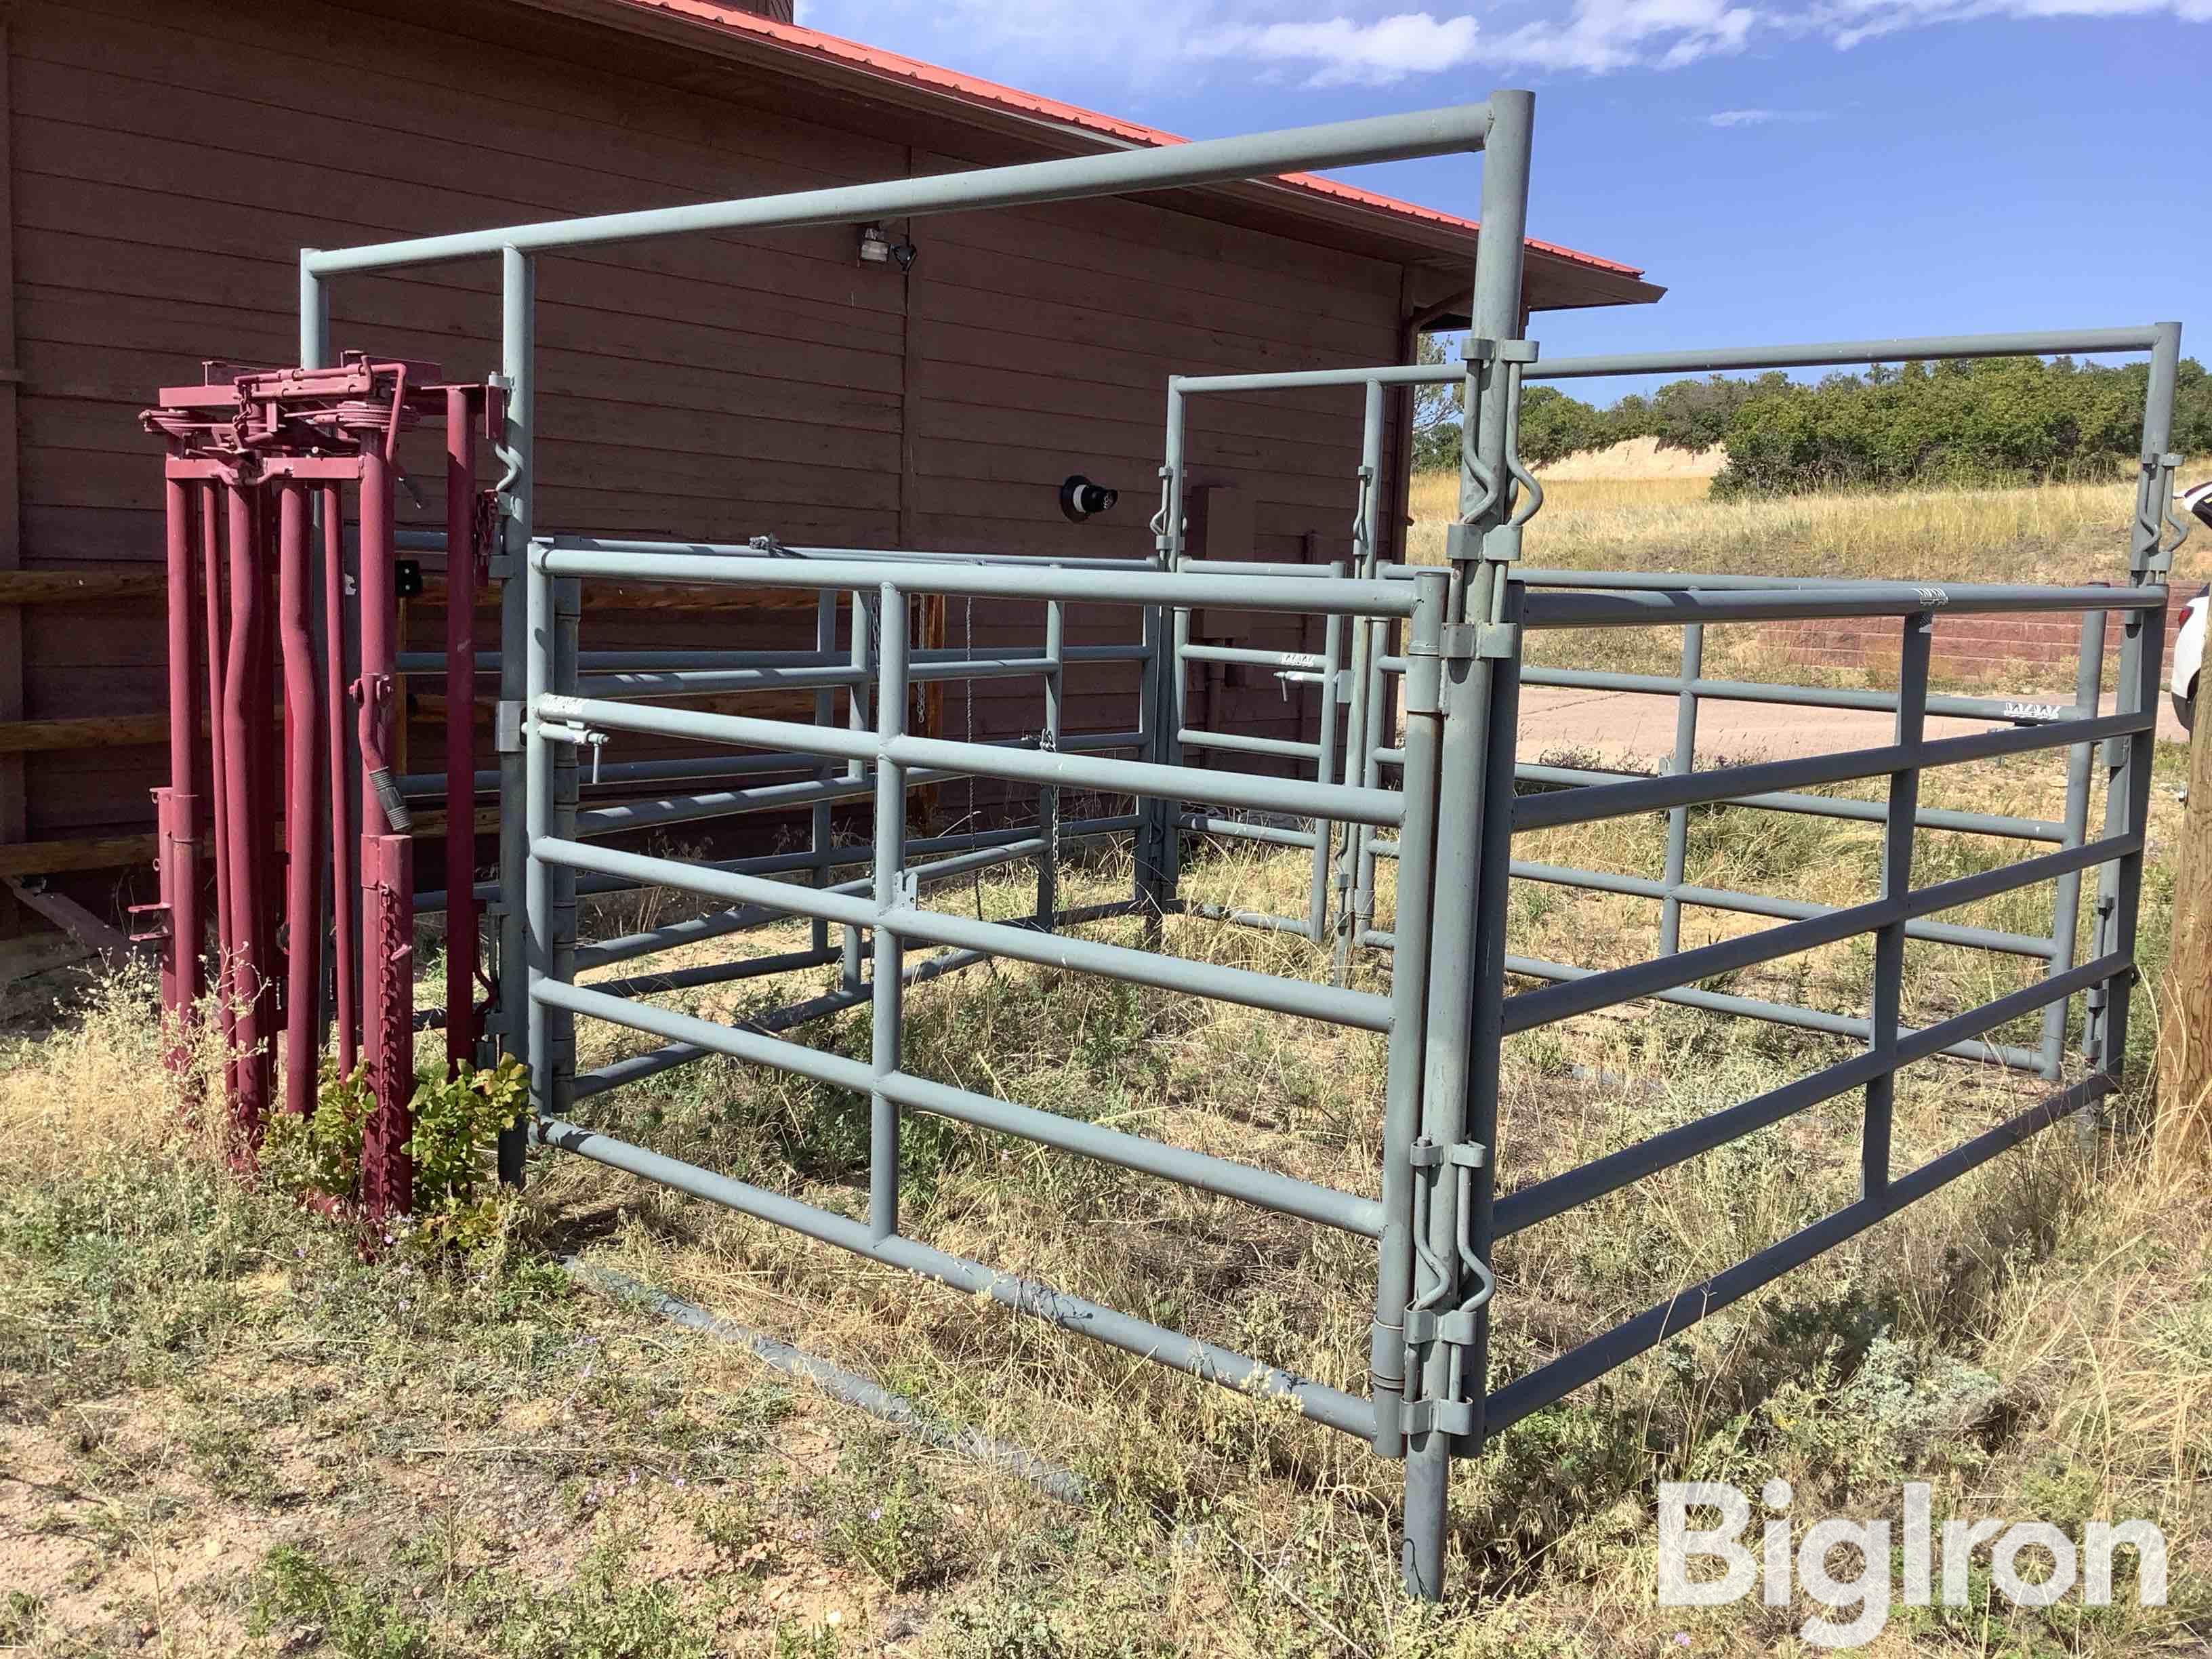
point(575, 731)
point(1455, 1327)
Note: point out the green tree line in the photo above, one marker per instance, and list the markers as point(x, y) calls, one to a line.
point(2008, 420)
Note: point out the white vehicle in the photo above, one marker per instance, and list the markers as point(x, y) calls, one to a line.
point(2189, 644)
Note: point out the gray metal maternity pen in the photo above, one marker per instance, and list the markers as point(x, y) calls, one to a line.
point(1440, 650)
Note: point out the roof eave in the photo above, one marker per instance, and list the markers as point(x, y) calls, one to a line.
point(1582, 281)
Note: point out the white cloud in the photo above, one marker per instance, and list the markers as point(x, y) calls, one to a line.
point(1760, 118)
point(1340, 51)
point(1325, 43)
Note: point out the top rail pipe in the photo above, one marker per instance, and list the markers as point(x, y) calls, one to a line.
point(1661, 607)
point(567, 555)
point(1251, 155)
point(2079, 342)
point(1826, 354)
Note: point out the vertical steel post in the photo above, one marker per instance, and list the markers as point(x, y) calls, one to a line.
point(2127, 811)
point(519, 650)
point(1355, 899)
point(890, 889)
point(1475, 1234)
point(212, 600)
point(387, 1170)
point(567, 622)
point(818, 827)
point(1160, 839)
point(1047, 860)
point(266, 777)
point(540, 650)
point(388, 892)
point(1451, 1113)
point(1370, 774)
point(2066, 904)
point(180, 808)
point(461, 944)
point(303, 786)
point(1324, 830)
point(1685, 762)
point(1896, 882)
point(342, 893)
point(344, 833)
point(1409, 995)
point(867, 624)
point(2128, 760)
point(244, 832)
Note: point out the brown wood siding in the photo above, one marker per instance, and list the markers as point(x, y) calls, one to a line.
point(170, 156)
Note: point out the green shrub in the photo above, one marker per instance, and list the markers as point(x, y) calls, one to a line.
point(457, 1120)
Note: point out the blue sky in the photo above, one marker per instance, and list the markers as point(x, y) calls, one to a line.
point(1856, 168)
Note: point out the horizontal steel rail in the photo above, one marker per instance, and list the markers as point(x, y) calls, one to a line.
point(1547, 1199)
point(1538, 1388)
point(1251, 656)
point(1361, 1010)
point(747, 917)
point(1241, 743)
point(587, 556)
point(488, 662)
point(1824, 806)
point(1793, 1015)
point(2026, 711)
point(2052, 342)
point(699, 682)
point(1205, 1360)
point(1556, 1002)
point(1285, 1194)
point(713, 972)
point(1275, 834)
point(1673, 606)
point(1720, 1002)
point(1764, 904)
point(1141, 778)
point(1593, 802)
point(637, 1068)
point(834, 858)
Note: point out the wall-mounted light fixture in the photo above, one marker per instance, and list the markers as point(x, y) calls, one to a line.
point(878, 249)
point(1080, 499)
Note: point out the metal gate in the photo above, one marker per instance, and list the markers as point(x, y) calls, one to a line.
point(1440, 653)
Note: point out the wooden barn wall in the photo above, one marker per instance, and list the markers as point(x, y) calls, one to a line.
point(169, 158)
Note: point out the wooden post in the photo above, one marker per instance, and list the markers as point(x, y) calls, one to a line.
point(2185, 1042)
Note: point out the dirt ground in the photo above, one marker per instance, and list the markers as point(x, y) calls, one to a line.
point(1624, 726)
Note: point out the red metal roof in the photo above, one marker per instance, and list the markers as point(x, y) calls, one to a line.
point(970, 88)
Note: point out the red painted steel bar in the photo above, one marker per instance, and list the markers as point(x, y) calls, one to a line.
point(303, 891)
point(344, 833)
point(388, 1173)
point(387, 865)
point(249, 1105)
point(267, 783)
point(180, 808)
point(461, 911)
point(219, 780)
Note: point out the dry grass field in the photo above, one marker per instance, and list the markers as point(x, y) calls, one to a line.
point(222, 1433)
point(2071, 533)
